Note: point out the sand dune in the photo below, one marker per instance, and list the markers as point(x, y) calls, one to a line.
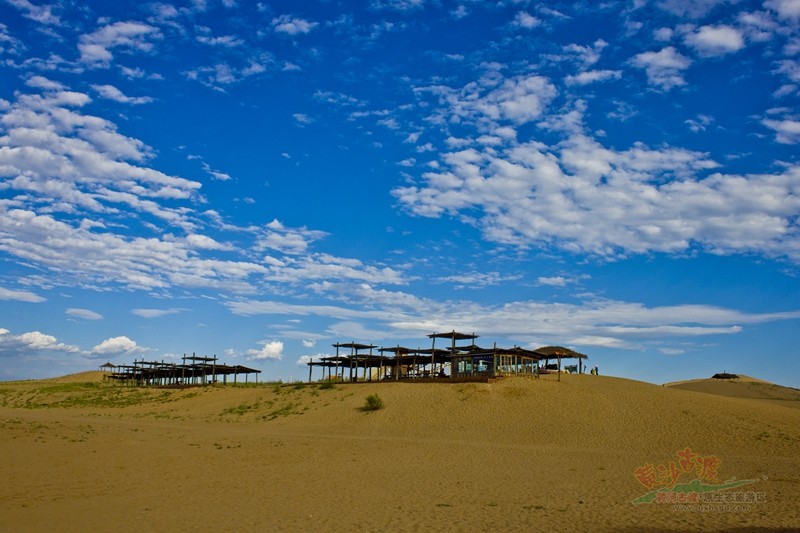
point(743, 387)
point(515, 455)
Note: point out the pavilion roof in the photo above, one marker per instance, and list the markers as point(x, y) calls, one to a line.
point(560, 351)
point(396, 350)
point(453, 335)
point(354, 345)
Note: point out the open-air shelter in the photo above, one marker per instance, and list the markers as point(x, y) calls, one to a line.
point(558, 353)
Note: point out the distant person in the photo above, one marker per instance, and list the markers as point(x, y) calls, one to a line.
point(596, 371)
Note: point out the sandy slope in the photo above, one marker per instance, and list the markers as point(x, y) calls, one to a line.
point(744, 387)
point(516, 455)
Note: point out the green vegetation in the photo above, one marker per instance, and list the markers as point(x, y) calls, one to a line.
point(241, 408)
point(286, 410)
point(373, 403)
point(77, 395)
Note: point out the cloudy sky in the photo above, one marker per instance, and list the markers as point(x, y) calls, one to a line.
point(259, 180)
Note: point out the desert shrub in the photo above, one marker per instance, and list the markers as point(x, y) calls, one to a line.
point(373, 403)
point(327, 385)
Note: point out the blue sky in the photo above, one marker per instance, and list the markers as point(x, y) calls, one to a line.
point(261, 180)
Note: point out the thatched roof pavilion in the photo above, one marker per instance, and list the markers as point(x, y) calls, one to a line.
point(559, 353)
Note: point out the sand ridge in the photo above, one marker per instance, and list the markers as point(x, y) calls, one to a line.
point(742, 387)
point(515, 455)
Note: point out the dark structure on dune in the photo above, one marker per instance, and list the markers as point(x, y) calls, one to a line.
point(193, 370)
point(458, 361)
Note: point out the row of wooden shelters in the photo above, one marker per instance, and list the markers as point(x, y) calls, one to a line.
point(193, 370)
point(457, 361)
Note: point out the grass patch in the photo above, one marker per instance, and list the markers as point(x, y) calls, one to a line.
point(286, 410)
point(241, 409)
point(373, 402)
point(91, 395)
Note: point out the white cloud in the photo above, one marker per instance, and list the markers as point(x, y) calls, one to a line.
point(398, 5)
point(303, 360)
point(518, 100)
point(788, 9)
point(203, 242)
point(302, 119)
point(41, 341)
point(690, 8)
point(104, 257)
point(54, 159)
point(672, 351)
point(116, 346)
point(269, 350)
point(556, 281)
point(478, 280)
point(292, 25)
point(787, 131)
point(663, 34)
point(221, 74)
point(42, 13)
point(593, 322)
point(31, 343)
point(700, 123)
point(664, 68)
point(224, 41)
point(593, 76)
point(526, 20)
point(293, 241)
point(110, 92)
point(20, 296)
point(215, 174)
point(582, 54)
point(581, 196)
point(40, 82)
point(711, 41)
point(85, 314)
point(155, 313)
point(52, 150)
point(95, 48)
point(309, 343)
point(60, 160)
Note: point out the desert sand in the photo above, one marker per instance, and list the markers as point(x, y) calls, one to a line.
point(518, 454)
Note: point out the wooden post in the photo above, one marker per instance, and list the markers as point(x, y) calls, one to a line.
point(337, 362)
point(559, 367)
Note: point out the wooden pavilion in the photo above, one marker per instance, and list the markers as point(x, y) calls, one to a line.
point(457, 361)
point(558, 353)
point(494, 362)
point(194, 370)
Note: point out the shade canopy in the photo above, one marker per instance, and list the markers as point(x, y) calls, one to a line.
point(560, 351)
